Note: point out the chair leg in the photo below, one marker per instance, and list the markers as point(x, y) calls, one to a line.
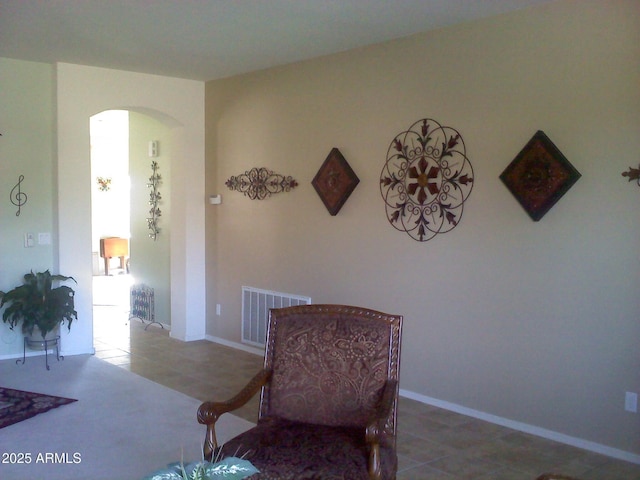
point(210, 443)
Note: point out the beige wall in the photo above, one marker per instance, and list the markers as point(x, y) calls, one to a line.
point(533, 323)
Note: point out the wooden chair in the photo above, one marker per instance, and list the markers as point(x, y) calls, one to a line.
point(329, 394)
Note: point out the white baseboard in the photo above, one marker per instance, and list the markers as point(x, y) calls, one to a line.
point(526, 428)
point(70, 353)
point(505, 422)
point(193, 338)
point(16, 356)
point(52, 354)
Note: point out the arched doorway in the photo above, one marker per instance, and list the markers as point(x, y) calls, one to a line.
point(128, 148)
point(84, 91)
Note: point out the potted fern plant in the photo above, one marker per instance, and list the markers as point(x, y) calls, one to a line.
point(39, 306)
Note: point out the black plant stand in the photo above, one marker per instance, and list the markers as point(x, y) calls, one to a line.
point(45, 344)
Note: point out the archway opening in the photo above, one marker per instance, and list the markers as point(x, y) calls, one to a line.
point(130, 166)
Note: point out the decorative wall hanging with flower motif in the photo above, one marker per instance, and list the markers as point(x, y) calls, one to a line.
point(260, 183)
point(426, 179)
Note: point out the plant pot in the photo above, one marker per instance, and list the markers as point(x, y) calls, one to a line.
point(36, 342)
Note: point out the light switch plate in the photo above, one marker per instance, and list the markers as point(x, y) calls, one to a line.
point(631, 402)
point(44, 238)
point(28, 240)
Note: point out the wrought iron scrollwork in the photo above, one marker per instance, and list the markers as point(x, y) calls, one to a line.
point(426, 179)
point(154, 200)
point(260, 183)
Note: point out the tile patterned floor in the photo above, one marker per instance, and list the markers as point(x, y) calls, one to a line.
point(433, 443)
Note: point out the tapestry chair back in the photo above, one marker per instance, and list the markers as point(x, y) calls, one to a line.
point(328, 397)
point(329, 366)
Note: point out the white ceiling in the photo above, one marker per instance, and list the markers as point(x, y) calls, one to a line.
point(209, 39)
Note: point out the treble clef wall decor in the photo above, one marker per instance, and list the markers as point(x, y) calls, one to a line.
point(18, 198)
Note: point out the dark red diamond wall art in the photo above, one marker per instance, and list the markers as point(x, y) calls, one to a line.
point(539, 176)
point(335, 181)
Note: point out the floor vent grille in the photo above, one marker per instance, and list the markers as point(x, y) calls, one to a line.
point(256, 304)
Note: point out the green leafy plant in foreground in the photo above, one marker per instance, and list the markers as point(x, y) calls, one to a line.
point(230, 468)
point(36, 303)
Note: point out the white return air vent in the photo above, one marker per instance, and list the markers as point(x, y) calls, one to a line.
point(256, 304)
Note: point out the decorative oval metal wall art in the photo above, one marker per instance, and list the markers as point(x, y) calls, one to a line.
point(260, 183)
point(426, 179)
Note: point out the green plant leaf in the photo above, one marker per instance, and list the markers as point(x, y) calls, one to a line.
point(36, 303)
point(232, 468)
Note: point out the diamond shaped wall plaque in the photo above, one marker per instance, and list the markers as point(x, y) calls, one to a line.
point(335, 181)
point(539, 176)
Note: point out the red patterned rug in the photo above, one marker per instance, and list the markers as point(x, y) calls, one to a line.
point(17, 405)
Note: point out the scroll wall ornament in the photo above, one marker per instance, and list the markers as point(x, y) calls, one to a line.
point(154, 200)
point(426, 179)
point(633, 174)
point(18, 198)
point(260, 183)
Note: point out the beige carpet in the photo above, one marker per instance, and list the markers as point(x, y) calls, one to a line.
point(122, 427)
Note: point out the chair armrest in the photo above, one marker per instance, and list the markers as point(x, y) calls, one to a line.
point(376, 427)
point(389, 395)
point(210, 412)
